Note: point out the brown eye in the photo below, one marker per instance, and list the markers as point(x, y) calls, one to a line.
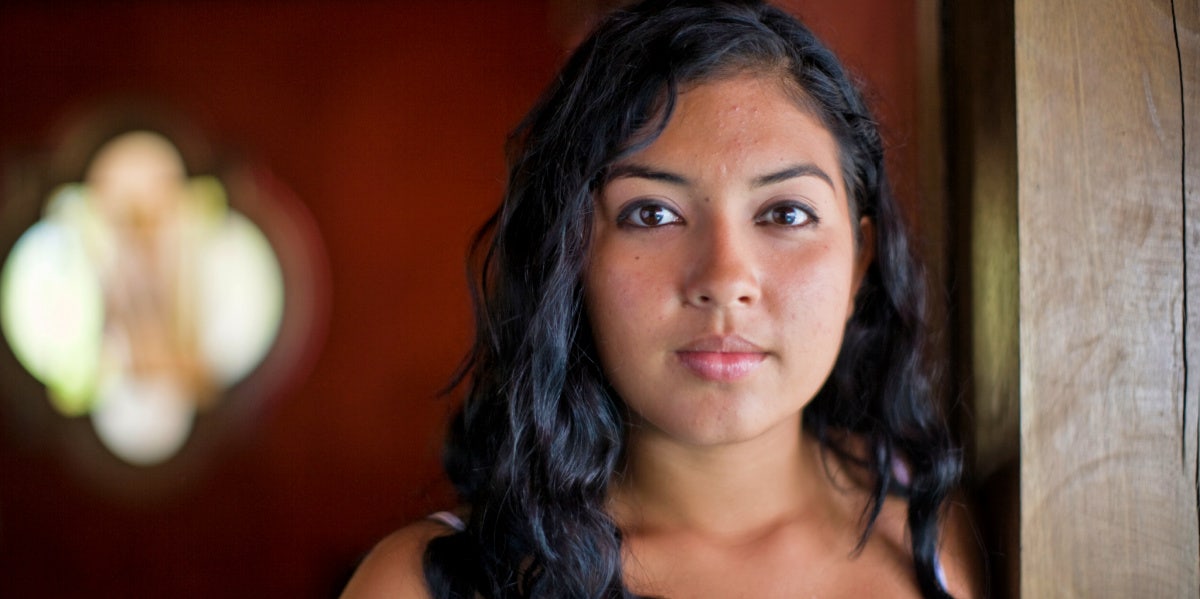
point(649, 215)
point(786, 215)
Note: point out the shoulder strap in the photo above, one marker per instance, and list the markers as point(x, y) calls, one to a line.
point(449, 519)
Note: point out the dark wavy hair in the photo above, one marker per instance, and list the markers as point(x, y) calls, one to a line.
point(540, 433)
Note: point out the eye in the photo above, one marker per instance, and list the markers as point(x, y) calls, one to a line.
point(787, 214)
point(648, 215)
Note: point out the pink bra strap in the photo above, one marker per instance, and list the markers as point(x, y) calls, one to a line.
point(448, 519)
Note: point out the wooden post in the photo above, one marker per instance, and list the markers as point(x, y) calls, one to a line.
point(981, 178)
point(1107, 114)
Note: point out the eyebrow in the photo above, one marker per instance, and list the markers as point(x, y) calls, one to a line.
point(644, 172)
point(622, 171)
point(792, 172)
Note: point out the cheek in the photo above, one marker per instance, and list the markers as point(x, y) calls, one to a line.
point(627, 297)
point(814, 293)
point(620, 294)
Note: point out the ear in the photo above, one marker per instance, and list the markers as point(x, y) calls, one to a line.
point(863, 257)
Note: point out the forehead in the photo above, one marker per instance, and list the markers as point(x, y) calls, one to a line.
point(743, 123)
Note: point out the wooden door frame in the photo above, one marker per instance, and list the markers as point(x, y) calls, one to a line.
point(1073, 186)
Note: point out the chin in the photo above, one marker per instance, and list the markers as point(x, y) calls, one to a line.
point(721, 425)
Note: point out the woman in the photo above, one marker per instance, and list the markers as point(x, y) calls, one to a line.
point(699, 368)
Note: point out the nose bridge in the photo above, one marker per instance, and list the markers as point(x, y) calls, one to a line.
point(723, 271)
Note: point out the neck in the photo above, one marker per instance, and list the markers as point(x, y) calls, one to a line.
point(727, 491)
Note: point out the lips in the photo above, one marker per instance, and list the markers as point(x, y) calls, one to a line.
point(721, 358)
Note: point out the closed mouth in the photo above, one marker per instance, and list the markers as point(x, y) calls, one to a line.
point(721, 358)
point(726, 344)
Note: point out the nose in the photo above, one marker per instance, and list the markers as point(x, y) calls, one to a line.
point(722, 272)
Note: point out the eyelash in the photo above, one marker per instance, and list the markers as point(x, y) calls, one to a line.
point(634, 211)
point(810, 215)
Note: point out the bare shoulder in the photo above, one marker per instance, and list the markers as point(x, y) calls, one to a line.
point(394, 568)
point(961, 551)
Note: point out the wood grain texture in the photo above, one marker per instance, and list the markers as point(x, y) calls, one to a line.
point(1108, 506)
point(1187, 28)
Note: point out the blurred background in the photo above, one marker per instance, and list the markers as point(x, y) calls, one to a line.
point(335, 157)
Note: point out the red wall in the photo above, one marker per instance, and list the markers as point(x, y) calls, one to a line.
point(386, 120)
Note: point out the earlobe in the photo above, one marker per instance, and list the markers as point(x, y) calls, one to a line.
point(864, 256)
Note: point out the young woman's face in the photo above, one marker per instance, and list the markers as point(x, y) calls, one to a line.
point(723, 265)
